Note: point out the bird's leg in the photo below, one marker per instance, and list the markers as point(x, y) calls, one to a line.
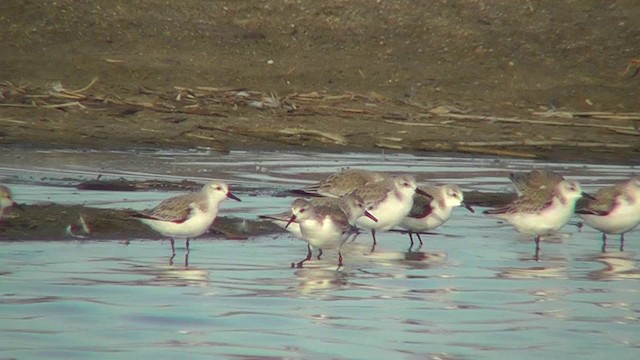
point(419, 239)
point(309, 255)
point(622, 242)
point(410, 239)
point(188, 245)
point(537, 255)
point(373, 235)
point(604, 242)
point(173, 252)
point(339, 259)
point(309, 252)
point(186, 260)
point(319, 254)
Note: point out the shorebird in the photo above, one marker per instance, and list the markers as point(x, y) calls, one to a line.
point(6, 199)
point(342, 183)
point(326, 226)
point(390, 201)
point(615, 210)
point(186, 216)
point(535, 180)
point(541, 212)
point(352, 205)
point(430, 213)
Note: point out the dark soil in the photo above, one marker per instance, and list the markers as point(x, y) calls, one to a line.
point(328, 74)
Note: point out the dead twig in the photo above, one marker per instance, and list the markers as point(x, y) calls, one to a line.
point(20, 122)
point(93, 81)
point(63, 105)
point(527, 142)
point(629, 129)
point(633, 116)
point(455, 147)
point(19, 105)
point(335, 138)
point(406, 123)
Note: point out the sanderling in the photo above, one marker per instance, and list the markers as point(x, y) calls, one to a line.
point(350, 204)
point(186, 216)
point(615, 210)
point(342, 183)
point(541, 212)
point(6, 199)
point(326, 224)
point(430, 213)
point(389, 200)
point(535, 180)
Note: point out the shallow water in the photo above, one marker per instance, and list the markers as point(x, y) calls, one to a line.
point(472, 291)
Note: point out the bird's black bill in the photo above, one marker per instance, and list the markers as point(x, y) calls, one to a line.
point(468, 207)
point(423, 193)
point(370, 216)
point(292, 219)
point(231, 196)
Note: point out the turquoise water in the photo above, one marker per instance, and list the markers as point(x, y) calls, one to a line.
point(472, 291)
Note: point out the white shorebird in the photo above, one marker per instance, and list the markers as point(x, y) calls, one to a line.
point(6, 199)
point(430, 213)
point(342, 183)
point(187, 216)
point(535, 180)
point(327, 225)
point(541, 212)
point(615, 210)
point(351, 204)
point(390, 201)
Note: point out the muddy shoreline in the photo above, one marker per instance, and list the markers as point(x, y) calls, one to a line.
point(56, 222)
point(536, 80)
point(246, 120)
point(532, 80)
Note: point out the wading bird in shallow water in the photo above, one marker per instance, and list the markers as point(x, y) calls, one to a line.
point(535, 180)
point(390, 201)
point(429, 213)
point(615, 210)
point(541, 212)
point(326, 226)
point(6, 200)
point(186, 216)
point(342, 183)
point(352, 205)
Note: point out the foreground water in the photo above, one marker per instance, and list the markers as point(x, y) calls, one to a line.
point(473, 291)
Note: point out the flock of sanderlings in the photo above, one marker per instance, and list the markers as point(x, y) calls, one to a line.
point(348, 202)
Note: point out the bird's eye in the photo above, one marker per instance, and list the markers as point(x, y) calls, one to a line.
point(301, 211)
point(219, 188)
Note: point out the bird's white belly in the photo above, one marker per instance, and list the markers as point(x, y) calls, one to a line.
point(389, 213)
point(195, 226)
point(429, 222)
point(543, 222)
point(324, 235)
point(621, 220)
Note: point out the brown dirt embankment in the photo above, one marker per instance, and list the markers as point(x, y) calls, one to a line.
point(534, 79)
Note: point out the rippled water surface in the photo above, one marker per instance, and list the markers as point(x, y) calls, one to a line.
point(472, 291)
